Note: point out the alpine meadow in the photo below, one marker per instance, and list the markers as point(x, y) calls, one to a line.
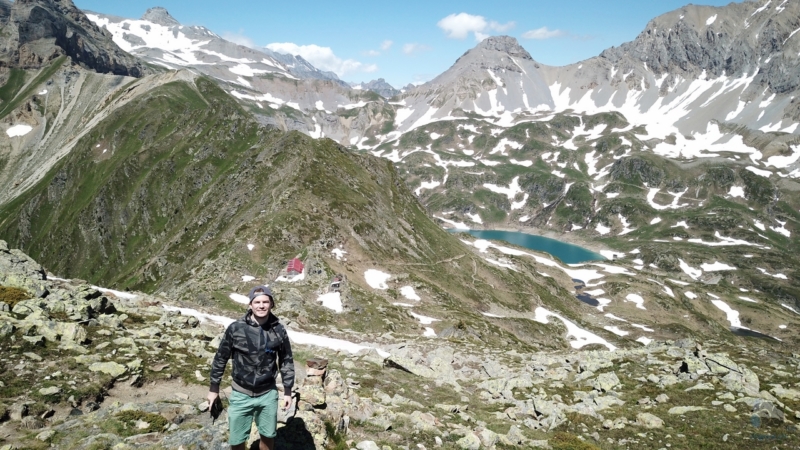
point(152, 172)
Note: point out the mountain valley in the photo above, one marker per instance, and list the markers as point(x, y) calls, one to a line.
point(179, 168)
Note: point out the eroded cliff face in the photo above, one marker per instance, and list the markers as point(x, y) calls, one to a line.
point(37, 32)
point(744, 39)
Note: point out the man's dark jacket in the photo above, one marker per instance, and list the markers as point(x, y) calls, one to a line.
point(256, 351)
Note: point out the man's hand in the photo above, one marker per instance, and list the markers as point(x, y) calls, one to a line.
point(287, 400)
point(211, 397)
point(214, 406)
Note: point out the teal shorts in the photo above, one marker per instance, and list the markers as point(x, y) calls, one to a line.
point(243, 410)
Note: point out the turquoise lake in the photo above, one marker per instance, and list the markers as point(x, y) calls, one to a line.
point(568, 253)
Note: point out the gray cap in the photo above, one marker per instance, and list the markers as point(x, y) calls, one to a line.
point(261, 290)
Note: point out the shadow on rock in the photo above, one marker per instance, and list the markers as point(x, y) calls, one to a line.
point(294, 436)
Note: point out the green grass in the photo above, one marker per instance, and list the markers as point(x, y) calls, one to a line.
point(16, 79)
point(14, 91)
point(13, 295)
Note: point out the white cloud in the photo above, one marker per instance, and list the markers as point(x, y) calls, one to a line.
point(385, 45)
point(413, 47)
point(542, 33)
point(458, 26)
point(238, 38)
point(323, 58)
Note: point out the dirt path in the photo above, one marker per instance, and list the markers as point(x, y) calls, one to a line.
point(157, 391)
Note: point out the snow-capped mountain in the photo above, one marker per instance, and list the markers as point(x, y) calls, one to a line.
point(497, 79)
point(159, 38)
point(379, 86)
point(283, 90)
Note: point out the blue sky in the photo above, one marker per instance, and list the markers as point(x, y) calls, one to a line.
point(412, 40)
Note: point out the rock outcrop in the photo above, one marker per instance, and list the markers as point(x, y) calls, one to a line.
point(36, 32)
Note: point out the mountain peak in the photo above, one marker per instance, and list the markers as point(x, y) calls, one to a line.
point(160, 16)
point(505, 44)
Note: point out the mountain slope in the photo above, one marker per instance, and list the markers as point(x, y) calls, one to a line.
point(36, 32)
point(180, 191)
point(159, 38)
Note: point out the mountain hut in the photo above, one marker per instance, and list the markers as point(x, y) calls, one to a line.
point(294, 267)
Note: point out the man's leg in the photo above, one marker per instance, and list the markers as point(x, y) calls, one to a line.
point(266, 443)
point(240, 419)
point(266, 417)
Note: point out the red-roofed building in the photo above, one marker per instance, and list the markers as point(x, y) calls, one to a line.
point(295, 267)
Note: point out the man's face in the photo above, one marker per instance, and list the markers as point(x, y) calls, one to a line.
point(261, 306)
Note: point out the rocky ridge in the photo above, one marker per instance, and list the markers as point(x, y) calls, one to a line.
point(379, 86)
point(36, 32)
point(86, 345)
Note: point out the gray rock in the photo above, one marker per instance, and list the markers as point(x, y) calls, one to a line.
point(678, 410)
point(767, 410)
point(720, 364)
point(110, 368)
point(410, 366)
point(648, 420)
point(469, 442)
point(488, 437)
point(17, 411)
point(424, 422)
point(45, 435)
point(367, 445)
point(52, 390)
point(6, 328)
point(745, 381)
point(785, 394)
point(34, 340)
point(605, 382)
point(515, 435)
point(595, 361)
point(701, 386)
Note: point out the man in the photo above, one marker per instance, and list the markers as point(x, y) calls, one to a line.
point(258, 344)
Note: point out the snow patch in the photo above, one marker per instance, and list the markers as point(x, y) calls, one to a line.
point(424, 319)
point(408, 292)
point(581, 336)
point(332, 301)
point(338, 253)
point(239, 298)
point(377, 279)
point(19, 130)
point(635, 298)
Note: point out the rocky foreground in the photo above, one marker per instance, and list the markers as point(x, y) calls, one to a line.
point(84, 369)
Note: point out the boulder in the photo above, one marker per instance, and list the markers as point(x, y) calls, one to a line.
point(594, 361)
point(767, 410)
point(488, 437)
point(109, 368)
point(605, 382)
point(785, 394)
point(367, 445)
point(19, 270)
point(720, 364)
point(648, 420)
point(678, 410)
point(52, 390)
point(312, 394)
point(469, 442)
point(408, 365)
point(6, 328)
point(744, 381)
point(424, 422)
